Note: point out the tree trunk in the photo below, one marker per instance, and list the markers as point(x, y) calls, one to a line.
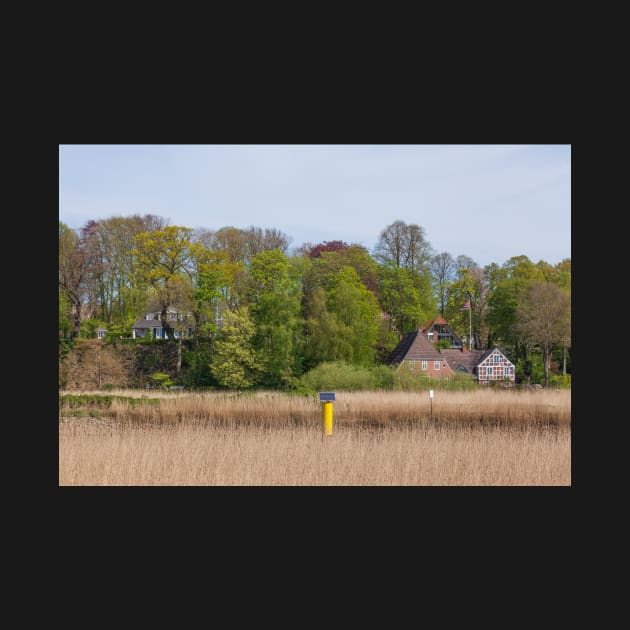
point(166, 327)
point(564, 360)
point(179, 355)
point(76, 318)
point(547, 365)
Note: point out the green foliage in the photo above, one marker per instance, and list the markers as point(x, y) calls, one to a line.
point(234, 362)
point(406, 295)
point(275, 313)
point(358, 314)
point(560, 381)
point(64, 347)
point(65, 315)
point(342, 376)
point(89, 326)
point(95, 405)
point(101, 400)
point(196, 365)
point(443, 344)
point(411, 380)
point(160, 379)
point(530, 370)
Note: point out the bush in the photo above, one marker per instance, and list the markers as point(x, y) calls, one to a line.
point(530, 370)
point(409, 380)
point(161, 380)
point(560, 381)
point(341, 376)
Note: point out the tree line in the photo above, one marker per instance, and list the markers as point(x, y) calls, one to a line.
point(267, 315)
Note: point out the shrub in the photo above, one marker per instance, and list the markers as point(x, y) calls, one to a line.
point(560, 381)
point(160, 379)
point(341, 376)
point(409, 380)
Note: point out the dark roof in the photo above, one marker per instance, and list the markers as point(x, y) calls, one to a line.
point(414, 346)
point(485, 355)
point(154, 306)
point(148, 323)
point(469, 360)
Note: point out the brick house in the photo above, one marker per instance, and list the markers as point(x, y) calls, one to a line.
point(416, 351)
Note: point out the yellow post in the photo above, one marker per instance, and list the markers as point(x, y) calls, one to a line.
point(327, 418)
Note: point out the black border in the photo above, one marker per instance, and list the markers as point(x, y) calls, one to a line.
point(516, 518)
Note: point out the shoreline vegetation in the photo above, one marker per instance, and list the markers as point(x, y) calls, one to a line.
point(351, 408)
point(268, 438)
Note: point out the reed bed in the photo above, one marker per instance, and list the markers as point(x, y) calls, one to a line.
point(351, 408)
point(484, 437)
point(184, 455)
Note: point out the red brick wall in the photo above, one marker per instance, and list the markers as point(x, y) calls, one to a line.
point(444, 370)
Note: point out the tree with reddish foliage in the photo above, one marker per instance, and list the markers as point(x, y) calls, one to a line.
point(327, 246)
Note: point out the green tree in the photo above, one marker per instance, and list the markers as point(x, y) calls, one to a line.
point(358, 312)
point(275, 310)
point(543, 317)
point(325, 339)
point(406, 296)
point(165, 261)
point(72, 273)
point(514, 276)
point(234, 361)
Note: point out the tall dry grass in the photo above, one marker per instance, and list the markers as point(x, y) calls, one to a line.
point(250, 456)
point(267, 438)
point(351, 408)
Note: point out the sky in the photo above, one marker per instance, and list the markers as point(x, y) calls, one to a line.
point(488, 202)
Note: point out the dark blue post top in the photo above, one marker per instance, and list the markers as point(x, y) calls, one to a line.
point(327, 396)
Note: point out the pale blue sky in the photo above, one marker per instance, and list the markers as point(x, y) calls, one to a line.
point(489, 202)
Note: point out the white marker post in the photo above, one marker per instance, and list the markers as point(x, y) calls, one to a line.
point(431, 402)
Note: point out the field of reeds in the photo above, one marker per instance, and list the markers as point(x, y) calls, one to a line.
point(481, 437)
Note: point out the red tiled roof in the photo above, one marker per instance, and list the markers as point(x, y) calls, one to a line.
point(438, 320)
point(414, 346)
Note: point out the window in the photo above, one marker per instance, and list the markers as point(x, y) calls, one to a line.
point(411, 364)
point(436, 365)
point(424, 365)
point(489, 371)
point(496, 358)
point(507, 370)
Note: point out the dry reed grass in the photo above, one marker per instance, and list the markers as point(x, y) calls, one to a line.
point(268, 438)
point(247, 456)
point(351, 408)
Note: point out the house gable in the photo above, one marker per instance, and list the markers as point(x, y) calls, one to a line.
point(416, 352)
point(438, 329)
point(495, 366)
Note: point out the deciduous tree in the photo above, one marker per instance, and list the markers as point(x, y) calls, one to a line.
point(543, 317)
